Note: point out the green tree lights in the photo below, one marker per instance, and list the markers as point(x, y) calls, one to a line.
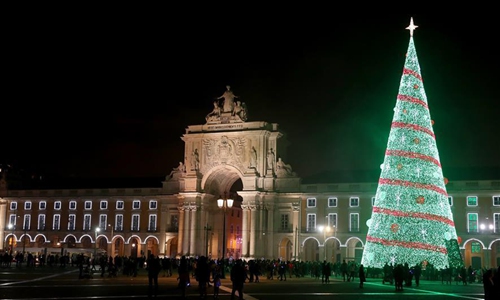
point(411, 218)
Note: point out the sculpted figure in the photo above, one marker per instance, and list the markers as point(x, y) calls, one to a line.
point(215, 112)
point(271, 159)
point(228, 99)
point(195, 160)
point(281, 167)
point(253, 158)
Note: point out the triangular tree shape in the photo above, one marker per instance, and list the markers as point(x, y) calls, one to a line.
point(411, 219)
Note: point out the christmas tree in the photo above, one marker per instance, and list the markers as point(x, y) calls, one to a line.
point(411, 219)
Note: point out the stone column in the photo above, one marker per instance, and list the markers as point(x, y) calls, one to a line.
point(253, 223)
point(186, 231)
point(296, 229)
point(270, 233)
point(245, 231)
point(180, 250)
point(194, 236)
point(3, 228)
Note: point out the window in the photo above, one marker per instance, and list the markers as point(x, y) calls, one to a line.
point(88, 205)
point(57, 205)
point(332, 220)
point(27, 205)
point(311, 222)
point(41, 222)
point(311, 202)
point(86, 222)
point(354, 222)
point(103, 221)
point(12, 220)
point(284, 222)
point(231, 229)
point(332, 202)
point(42, 205)
point(496, 200)
point(135, 222)
point(119, 223)
point(238, 230)
point(475, 247)
point(72, 205)
point(153, 204)
point(471, 201)
point(119, 204)
point(27, 222)
point(472, 222)
point(136, 204)
point(496, 223)
point(373, 201)
point(152, 222)
point(56, 222)
point(450, 200)
point(104, 204)
point(354, 202)
point(71, 222)
point(13, 206)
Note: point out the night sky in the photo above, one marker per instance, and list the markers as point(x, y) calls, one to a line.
point(111, 97)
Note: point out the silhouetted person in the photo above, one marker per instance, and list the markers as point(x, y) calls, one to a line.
point(154, 267)
point(238, 277)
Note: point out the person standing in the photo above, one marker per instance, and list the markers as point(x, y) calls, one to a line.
point(362, 276)
point(488, 285)
point(154, 267)
point(238, 277)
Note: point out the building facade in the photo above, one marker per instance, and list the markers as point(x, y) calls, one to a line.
point(274, 214)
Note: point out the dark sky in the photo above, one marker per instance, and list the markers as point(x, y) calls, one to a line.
point(109, 96)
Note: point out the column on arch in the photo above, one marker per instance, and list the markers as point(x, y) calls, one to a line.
point(296, 228)
point(245, 231)
point(180, 250)
point(253, 230)
point(194, 236)
point(185, 231)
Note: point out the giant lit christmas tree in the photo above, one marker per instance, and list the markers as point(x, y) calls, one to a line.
point(411, 219)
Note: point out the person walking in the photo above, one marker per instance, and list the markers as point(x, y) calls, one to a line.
point(488, 285)
point(238, 277)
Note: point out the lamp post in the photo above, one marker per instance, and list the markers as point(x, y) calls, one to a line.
point(95, 241)
point(11, 238)
point(224, 204)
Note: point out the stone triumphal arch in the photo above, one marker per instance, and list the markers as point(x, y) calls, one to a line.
point(231, 157)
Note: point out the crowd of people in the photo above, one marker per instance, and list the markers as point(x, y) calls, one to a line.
point(208, 272)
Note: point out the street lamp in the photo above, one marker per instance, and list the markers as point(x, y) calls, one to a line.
point(95, 241)
point(325, 230)
point(11, 238)
point(224, 204)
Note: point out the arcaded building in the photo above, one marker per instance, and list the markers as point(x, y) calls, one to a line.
point(274, 213)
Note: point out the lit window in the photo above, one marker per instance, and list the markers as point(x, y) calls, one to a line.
point(311, 202)
point(88, 205)
point(471, 201)
point(104, 204)
point(87, 222)
point(152, 222)
point(13, 205)
point(354, 201)
point(332, 220)
point(72, 205)
point(56, 223)
point(119, 222)
point(119, 204)
point(475, 247)
point(496, 200)
point(136, 204)
point(135, 222)
point(311, 222)
point(354, 222)
point(71, 222)
point(57, 205)
point(41, 222)
point(27, 205)
point(42, 205)
point(472, 223)
point(332, 202)
point(153, 204)
point(284, 221)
